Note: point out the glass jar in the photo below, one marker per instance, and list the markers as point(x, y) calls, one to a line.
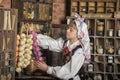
point(110, 50)
point(90, 67)
point(68, 20)
point(91, 47)
point(110, 32)
point(119, 51)
point(119, 32)
point(110, 67)
point(98, 77)
point(100, 50)
point(100, 28)
point(110, 59)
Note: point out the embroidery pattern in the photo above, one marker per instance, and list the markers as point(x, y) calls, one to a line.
point(68, 54)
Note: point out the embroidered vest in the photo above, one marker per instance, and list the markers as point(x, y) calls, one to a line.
point(67, 57)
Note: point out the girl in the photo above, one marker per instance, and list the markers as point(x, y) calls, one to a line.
point(77, 36)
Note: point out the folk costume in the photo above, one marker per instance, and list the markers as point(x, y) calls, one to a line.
point(74, 62)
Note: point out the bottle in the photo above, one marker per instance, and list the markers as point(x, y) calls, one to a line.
point(100, 49)
point(68, 20)
point(110, 32)
point(110, 77)
point(90, 31)
point(89, 78)
point(98, 77)
point(119, 33)
point(110, 59)
point(100, 27)
point(109, 67)
point(92, 47)
point(110, 48)
point(90, 67)
point(118, 51)
point(118, 68)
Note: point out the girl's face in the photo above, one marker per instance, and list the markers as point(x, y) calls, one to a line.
point(71, 32)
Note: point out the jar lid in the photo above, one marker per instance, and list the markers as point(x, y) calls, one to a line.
point(110, 57)
point(100, 23)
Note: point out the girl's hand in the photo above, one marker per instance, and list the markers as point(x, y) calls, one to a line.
point(42, 66)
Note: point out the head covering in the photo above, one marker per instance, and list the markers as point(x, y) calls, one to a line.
point(83, 36)
point(79, 21)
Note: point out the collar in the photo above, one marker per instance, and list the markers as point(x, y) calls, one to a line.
point(72, 46)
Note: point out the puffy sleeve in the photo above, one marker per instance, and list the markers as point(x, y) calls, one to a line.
point(86, 41)
point(47, 42)
point(70, 69)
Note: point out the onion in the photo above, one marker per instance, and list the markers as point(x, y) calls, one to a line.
point(24, 52)
point(22, 56)
point(21, 48)
point(17, 48)
point(19, 64)
point(17, 42)
point(25, 60)
point(21, 53)
point(25, 55)
point(18, 37)
point(28, 52)
point(17, 53)
point(40, 59)
point(18, 69)
point(30, 47)
point(27, 45)
point(35, 44)
point(24, 46)
point(20, 59)
point(27, 63)
point(22, 35)
point(28, 57)
point(22, 42)
point(29, 40)
point(39, 54)
point(36, 48)
point(30, 36)
point(24, 65)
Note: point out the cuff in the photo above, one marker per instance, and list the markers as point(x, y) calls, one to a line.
point(49, 71)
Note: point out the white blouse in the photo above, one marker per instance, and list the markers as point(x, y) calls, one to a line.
point(68, 70)
point(81, 55)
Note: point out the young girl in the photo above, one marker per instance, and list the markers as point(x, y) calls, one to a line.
point(77, 36)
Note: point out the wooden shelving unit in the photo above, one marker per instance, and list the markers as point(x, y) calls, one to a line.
point(103, 27)
point(38, 13)
point(8, 31)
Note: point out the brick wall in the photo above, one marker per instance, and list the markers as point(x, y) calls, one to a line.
point(58, 11)
point(6, 3)
point(58, 14)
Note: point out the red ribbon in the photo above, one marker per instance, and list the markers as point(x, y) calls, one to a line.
point(66, 50)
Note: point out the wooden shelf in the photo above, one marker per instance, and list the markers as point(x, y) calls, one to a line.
point(38, 13)
point(35, 77)
point(101, 39)
point(9, 17)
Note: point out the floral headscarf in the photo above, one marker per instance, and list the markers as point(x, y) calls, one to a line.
point(78, 20)
point(83, 36)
